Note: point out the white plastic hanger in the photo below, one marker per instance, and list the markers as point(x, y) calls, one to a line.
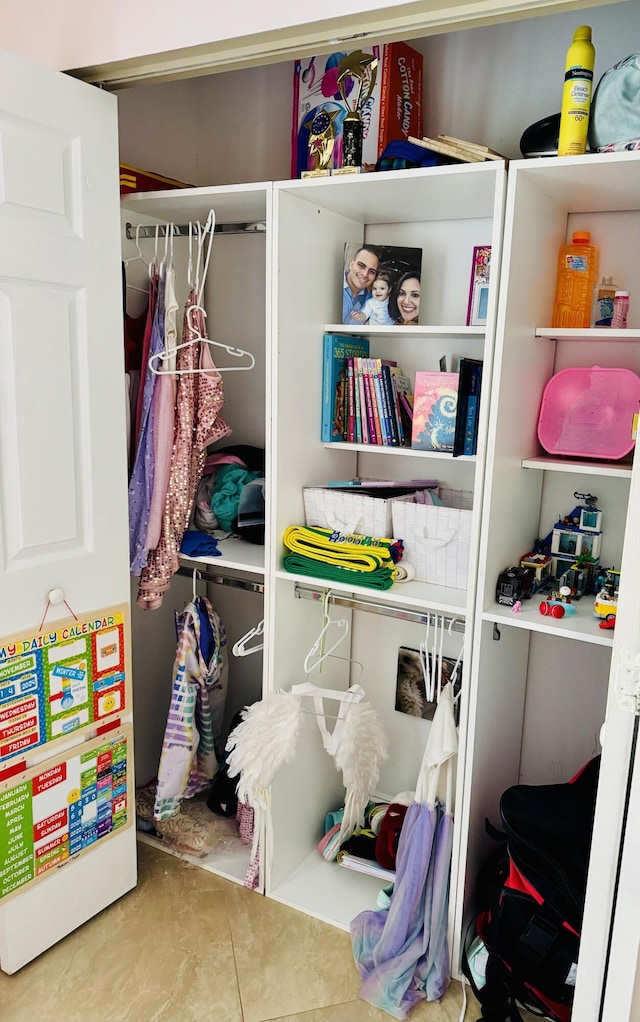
point(239, 648)
point(135, 259)
point(316, 655)
point(201, 267)
point(429, 681)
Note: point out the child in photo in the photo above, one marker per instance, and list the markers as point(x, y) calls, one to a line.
point(375, 310)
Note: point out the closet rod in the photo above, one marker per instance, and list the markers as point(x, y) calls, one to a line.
point(224, 580)
point(358, 603)
point(182, 230)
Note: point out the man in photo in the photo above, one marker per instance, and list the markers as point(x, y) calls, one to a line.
point(359, 275)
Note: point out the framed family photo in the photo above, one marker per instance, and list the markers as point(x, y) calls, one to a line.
point(381, 285)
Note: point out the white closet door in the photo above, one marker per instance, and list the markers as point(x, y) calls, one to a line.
point(63, 511)
point(63, 488)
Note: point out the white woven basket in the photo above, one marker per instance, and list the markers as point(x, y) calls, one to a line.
point(436, 541)
point(349, 512)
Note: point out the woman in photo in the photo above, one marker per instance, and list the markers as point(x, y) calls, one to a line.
point(404, 303)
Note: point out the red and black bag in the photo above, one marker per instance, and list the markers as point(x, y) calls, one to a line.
point(532, 893)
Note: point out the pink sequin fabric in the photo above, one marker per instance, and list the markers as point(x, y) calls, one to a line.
point(199, 400)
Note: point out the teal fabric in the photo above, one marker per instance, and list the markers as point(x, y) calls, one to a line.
point(227, 488)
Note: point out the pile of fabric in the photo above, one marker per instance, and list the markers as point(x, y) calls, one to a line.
point(342, 557)
point(230, 501)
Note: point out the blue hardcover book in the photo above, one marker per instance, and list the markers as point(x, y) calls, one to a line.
point(473, 408)
point(336, 350)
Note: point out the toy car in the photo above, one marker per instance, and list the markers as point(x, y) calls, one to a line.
point(514, 584)
point(558, 606)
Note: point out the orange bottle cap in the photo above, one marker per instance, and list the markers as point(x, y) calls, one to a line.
point(581, 237)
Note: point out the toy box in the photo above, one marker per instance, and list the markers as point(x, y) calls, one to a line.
point(589, 412)
point(393, 111)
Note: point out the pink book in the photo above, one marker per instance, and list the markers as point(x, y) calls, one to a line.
point(435, 403)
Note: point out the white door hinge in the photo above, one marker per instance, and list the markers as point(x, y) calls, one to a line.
point(628, 683)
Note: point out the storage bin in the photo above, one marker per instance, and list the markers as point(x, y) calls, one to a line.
point(349, 512)
point(589, 412)
point(436, 539)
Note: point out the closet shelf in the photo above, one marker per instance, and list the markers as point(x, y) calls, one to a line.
point(422, 595)
point(234, 553)
point(327, 891)
point(619, 470)
point(405, 331)
point(582, 626)
point(406, 451)
point(550, 333)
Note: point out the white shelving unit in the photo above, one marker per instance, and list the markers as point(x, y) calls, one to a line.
point(541, 687)
point(533, 700)
point(444, 212)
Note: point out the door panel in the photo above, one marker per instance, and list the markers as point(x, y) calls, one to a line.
point(63, 513)
point(63, 482)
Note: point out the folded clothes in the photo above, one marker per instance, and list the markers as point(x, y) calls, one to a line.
point(199, 544)
point(298, 564)
point(363, 553)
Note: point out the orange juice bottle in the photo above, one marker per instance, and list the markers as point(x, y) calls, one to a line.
point(577, 275)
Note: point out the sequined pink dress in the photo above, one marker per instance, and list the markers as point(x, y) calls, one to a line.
point(199, 400)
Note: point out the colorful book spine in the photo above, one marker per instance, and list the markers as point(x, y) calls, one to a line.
point(377, 379)
point(390, 405)
point(473, 408)
point(351, 403)
point(366, 377)
point(374, 400)
point(396, 408)
point(363, 432)
point(385, 408)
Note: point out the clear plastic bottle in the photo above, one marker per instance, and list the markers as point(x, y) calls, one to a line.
point(602, 308)
point(620, 310)
point(577, 275)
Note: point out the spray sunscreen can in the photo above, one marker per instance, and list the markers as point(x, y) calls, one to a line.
point(576, 94)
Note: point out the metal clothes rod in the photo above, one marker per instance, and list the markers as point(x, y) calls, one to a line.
point(358, 603)
point(182, 230)
point(224, 580)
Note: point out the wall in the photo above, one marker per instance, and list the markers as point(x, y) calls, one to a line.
point(485, 84)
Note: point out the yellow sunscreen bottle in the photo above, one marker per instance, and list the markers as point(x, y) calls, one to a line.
point(576, 94)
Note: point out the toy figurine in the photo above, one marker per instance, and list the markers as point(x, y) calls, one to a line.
point(517, 607)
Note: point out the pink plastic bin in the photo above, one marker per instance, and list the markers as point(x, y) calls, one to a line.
point(588, 413)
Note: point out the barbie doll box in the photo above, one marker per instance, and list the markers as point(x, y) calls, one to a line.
point(392, 112)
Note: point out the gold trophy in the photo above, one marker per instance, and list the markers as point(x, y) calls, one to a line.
point(357, 73)
point(322, 139)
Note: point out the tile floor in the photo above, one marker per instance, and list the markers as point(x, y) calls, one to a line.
point(187, 946)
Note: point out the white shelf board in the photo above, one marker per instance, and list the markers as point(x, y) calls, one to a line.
point(327, 891)
point(232, 864)
point(234, 553)
point(462, 192)
point(590, 468)
point(230, 202)
point(411, 595)
point(406, 451)
point(551, 333)
point(575, 184)
point(582, 626)
point(405, 331)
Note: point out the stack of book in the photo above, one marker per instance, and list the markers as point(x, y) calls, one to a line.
point(457, 148)
point(364, 400)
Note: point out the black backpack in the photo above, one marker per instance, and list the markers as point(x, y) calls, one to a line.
point(531, 891)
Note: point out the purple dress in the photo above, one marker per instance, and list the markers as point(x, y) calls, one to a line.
point(141, 482)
